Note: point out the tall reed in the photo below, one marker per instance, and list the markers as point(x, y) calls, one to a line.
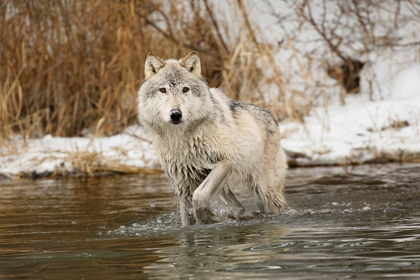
point(70, 65)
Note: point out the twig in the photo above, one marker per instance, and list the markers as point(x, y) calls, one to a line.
point(171, 38)
point(216, 26)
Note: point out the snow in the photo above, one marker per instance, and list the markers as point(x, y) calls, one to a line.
point(358, 132)
point(361, 131)
point(365, 129)
point(40, 157)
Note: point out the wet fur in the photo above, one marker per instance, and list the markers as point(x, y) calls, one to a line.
point(242, 140)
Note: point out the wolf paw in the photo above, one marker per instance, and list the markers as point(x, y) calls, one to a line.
point(204, 216)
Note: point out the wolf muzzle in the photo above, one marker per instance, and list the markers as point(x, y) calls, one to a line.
point(176, 116)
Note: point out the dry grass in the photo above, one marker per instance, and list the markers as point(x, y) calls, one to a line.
point(71, 65)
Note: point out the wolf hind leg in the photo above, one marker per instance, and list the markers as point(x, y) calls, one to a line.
point(229, 198)
point(269, 200)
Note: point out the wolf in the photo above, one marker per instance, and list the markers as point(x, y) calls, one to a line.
point(207, 143)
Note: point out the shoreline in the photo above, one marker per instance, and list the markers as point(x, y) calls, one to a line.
point(363, 131)
point(112, 167)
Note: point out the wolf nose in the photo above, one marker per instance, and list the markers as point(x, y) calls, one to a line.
point(175, 114)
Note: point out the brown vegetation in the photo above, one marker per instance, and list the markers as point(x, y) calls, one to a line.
point(71, 65)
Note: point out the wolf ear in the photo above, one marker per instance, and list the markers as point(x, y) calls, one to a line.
point(192, 63)
point(153, 64)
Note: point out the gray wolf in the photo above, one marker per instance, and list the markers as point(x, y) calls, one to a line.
point(208, 143)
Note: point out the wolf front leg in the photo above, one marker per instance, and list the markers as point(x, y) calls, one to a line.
point(210, 187)
point(187, 211)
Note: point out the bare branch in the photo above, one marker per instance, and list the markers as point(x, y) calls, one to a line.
point(216, 26)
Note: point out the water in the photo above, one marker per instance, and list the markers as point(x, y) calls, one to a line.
point(359, 223)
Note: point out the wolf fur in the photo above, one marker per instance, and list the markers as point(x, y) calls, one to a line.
point(216, 145)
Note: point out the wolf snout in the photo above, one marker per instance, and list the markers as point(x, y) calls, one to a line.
point(176, 116)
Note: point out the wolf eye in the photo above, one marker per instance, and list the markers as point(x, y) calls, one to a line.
point(162, 90)
point(185, 89)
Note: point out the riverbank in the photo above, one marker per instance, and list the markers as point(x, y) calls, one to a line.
point(362, 131)
point(49, 156)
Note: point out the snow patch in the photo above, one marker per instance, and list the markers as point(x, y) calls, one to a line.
point(38, 157)
point(362, 130)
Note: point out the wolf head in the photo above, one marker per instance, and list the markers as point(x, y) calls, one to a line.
point(173, 92)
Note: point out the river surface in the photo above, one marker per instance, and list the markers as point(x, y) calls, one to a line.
point(362, 222)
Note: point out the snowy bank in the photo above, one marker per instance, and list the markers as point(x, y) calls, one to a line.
point(127, 152)
point(362, 131)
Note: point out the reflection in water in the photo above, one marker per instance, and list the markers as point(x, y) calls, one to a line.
point(360, 223)
point(200, 253)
